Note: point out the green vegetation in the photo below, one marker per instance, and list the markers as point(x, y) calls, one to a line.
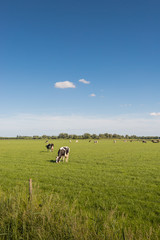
point(83, 136)
point(106, 191)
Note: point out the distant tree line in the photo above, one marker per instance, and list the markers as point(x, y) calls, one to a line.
point(83, 136)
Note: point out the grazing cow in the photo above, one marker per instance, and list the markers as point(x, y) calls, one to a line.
point(64, 153)
point(114, 141)
point(50, 146)
point(95, 141)
point(144, 141)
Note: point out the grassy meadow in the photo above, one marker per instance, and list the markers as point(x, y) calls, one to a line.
point(106, 190)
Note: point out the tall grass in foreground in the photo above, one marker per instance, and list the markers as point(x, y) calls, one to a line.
point(49, 217)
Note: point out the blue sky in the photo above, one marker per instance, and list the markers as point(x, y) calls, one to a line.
point(113, 45)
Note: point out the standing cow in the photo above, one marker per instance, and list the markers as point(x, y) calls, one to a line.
point(63, 153)
point(50, 146)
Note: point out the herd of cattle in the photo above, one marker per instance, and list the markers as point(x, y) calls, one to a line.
point(63, 152)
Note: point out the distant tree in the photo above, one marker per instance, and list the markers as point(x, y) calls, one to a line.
point(44, 136)
point(75, 136)
point(86, 135)
point(106, 135)
point(102, 135)
point(70, 136)
point(63, 135)
point(36, 137)
point(109, 135)
point(53, 137)
point(133, 137)
point(114, 136)
point(94, 136)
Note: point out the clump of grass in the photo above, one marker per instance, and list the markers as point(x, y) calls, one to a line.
point(49, 217)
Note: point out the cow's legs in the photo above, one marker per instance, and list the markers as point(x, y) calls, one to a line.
point(58, 159)
point(67, 156)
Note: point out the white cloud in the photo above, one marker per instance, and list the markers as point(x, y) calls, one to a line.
point(92, 95)
point(155, 114)
point(84, 81)
point(65, 84)
point(29, 125)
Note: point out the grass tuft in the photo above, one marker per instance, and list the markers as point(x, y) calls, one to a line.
point(51, 217)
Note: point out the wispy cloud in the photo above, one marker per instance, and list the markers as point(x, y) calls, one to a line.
point(126, 105)
point(65, 84)
point(28, 124)
point(84, 81)
point(92, 95)
point(155, 114)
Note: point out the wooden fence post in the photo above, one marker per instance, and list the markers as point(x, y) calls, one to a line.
point(30, 189)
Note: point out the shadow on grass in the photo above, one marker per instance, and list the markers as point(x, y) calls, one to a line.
point(52, 161)
point(45, 152)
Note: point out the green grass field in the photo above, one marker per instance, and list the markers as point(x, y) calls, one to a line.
point(113, 189)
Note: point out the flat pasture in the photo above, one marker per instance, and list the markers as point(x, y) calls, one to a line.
point(103, 179)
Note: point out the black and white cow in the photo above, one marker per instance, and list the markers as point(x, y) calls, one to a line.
point(63, 153)
point(50, 146)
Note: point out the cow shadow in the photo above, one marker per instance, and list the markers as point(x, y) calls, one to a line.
point(51, 161)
